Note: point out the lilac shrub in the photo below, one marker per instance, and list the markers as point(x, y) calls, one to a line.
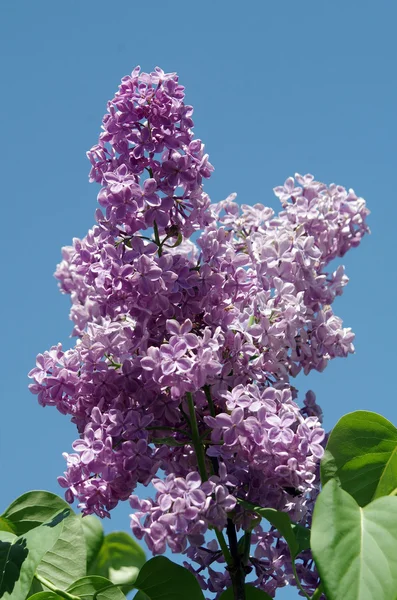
point(181, 372)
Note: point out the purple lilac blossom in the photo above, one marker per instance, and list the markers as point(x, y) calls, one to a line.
point(230, 319)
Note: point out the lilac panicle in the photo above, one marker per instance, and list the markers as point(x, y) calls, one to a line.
point(229, 319)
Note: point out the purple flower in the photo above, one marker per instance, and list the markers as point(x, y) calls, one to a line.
point(171, 294)
point(280, 428)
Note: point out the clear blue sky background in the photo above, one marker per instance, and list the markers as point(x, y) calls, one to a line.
point(278, 87)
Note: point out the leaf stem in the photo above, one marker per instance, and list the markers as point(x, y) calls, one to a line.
point(157, 238)
point(54, 589)
point(207, 391)
point(317, 594)
point(298, 583)
point(224, 547)
point(247, 547)
point(197, 443)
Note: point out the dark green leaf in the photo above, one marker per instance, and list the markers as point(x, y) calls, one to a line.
point(281, 521)
point(12, 556)
point(19, 557)
point(141, 596)
point(95, 588)
point(93, 534)
point(35, 588)
point(32, 509)
point(355, 549)
point(119, 559)
point(302, 536)
point(251, 593)
point(161, 579)
point(66, 561)
point(361, 455)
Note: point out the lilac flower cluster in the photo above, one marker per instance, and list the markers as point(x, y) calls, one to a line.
point(147, 130)
point(181, 373)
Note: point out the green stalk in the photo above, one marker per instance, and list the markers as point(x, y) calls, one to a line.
point(197, 444)
point(224, 547)
point(157, 238)
point(207, 391)
point(54, 589)
point(318, 593)
point(298, 583)
point(199, 449)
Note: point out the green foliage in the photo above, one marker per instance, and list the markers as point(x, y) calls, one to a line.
point(32, 509)
point(119, 559)
point(6, 525)
point(93, 534)
point(355, 549)
point(66, 562)
point(94, 587)
point(161, 579)
point(361, 455)
point(46, 596)
point(45, 549)
point(251, 593)
point(296, 536)
point(20, 556)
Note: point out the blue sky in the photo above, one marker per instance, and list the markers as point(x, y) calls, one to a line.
point(278, 87)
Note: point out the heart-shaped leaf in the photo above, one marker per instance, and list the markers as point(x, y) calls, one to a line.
point(355, 549)
point(32, 509)
point(93, 587)
point(119, 559)
point(251, 593)
point(66, 561)
point(20, 556)
point(93, 534)
point(362, 455)
point(161, 579)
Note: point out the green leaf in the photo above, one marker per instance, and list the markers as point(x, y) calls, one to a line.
point(251, 593)
point(32, 509)
point(19, 557)
point(161, 579)
point(361, 455)
point(35, 588)
point(93, 534)
point(6, 525)
point(67, 560)
point(355, 549)
point(12, 557)
point(141, 596)
point(119, 559)
point(302, 536)
point(7, 536)
point(95, 588)
point(281, 521)
point(46, 596)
